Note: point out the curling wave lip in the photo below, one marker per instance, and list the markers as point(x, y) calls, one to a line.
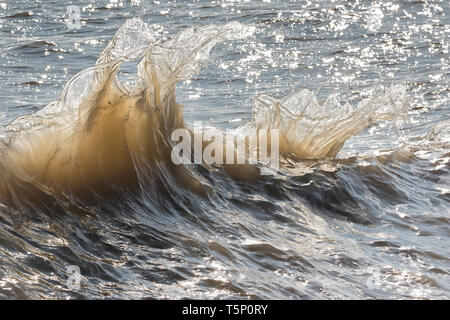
point(101, 135)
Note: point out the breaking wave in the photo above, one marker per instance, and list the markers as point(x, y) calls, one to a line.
point(89, 181)
point(103, 135)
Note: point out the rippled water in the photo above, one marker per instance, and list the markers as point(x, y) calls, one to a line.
point(370, 222)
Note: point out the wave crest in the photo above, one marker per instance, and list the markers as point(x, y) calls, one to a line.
point(101, 134)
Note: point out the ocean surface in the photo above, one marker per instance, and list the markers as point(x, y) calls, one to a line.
point(91, 207)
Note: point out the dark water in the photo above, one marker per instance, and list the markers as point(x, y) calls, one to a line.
point(372, 222)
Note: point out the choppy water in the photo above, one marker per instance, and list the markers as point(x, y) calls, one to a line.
point(371, 221)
